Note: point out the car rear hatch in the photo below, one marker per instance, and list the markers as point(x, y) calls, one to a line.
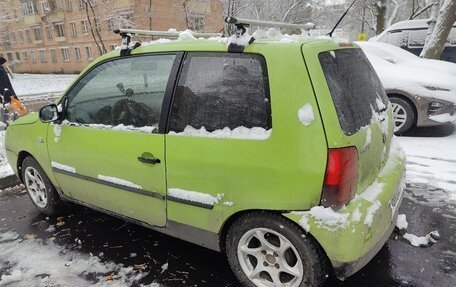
point(356, 115)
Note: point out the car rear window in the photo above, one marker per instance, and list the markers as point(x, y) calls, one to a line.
point(355, 88)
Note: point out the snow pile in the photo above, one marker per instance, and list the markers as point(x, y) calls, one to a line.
point(195, 196)
point(371, 213)
point(241, 41)
point(121, 127)
point(255, 133)
point(62, 268)
point(5, 168)
point(416, 240)
point(63, 167)
point(324, 217)
point(306, 115)
point(186, 35)
point(401, 221)
point(119, 181)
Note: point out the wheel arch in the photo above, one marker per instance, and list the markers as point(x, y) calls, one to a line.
point(20, 159)
point(228, 223)
point(410, 99)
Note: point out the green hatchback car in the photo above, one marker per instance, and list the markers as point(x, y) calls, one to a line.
point(280, 155)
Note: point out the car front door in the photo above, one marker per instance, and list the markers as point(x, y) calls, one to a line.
point(109, 150)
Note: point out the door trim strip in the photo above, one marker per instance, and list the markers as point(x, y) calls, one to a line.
point(111, 184)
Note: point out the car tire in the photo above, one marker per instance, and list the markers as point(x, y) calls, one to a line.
point(403, 113)
point(296, 261)
point(39, 188)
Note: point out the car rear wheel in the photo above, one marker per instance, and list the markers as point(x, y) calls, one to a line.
point(268, 250)
point(403, 113)
point(40, 189)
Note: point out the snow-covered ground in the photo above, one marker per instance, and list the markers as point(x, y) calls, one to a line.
point(30, 84)
point(432, 161)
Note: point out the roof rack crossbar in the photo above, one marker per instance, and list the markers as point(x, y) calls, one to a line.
point(166, 34)
point(250, 22)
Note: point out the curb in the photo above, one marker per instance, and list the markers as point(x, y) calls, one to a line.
point(9, 181)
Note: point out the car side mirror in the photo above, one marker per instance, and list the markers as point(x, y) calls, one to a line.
point(49, 113)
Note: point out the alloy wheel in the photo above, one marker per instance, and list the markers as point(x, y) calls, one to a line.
point(269, 259)
point(400, 116)
point(35, 187)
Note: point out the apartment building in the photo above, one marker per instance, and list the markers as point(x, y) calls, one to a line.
point(63, 36)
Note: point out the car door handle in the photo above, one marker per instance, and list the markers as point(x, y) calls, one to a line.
point(150, 160)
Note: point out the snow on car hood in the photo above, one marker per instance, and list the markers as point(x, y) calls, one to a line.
point(414, 80)
point(400, 56)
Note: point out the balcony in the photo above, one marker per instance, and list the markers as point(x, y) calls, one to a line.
point(56, 16)
point(31, 20)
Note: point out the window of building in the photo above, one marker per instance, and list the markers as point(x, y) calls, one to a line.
point(65, 54)
point(89, 53)
point(18, 56)
point(37, 32)
point(56, 4)
point(21, 36)
point(42, 56)
point(13, 37)
point(25, 54)
point(53, 56)
point(32, 57)
point(112, 47)
point(110, 23)
point(49, 32)
point(74, 32)
point(101, 51)
point(9, 55)
point(28, 8)
point(45, 8)
point(97, 24)
point(234, 94)
point(69, 5)
point(60, 29)
point(81, 4)
point(77, 52)
point(196, 22)
point(85, 27)
point(28, 35)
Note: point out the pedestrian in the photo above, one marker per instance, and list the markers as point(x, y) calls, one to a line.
point(5, 84)
point(12, 108)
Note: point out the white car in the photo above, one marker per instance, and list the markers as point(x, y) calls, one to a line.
point(422, 91)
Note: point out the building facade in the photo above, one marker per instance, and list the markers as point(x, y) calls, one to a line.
point(63, 36)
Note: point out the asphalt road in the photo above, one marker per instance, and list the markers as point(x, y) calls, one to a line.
point(397, 264)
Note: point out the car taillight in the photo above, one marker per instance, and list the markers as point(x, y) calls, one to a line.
point(341, 177)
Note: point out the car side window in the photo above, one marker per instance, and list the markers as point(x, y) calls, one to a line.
point(126, 91)
point(417, 38)
point(221, 90)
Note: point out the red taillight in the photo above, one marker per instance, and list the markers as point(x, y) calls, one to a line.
point(341, 177)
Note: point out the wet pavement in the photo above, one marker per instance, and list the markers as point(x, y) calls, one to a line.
point(397, 264)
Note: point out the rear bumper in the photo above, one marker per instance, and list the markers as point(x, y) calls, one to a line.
point(353, 235)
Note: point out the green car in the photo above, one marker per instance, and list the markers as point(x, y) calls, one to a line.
point(280, 155)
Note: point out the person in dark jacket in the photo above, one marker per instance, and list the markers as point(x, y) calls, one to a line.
point(6, 89)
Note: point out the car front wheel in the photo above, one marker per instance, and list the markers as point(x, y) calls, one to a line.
point(403, 113)
point(268, 250)
point(40, 189)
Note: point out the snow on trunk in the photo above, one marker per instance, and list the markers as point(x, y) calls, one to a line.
point(435, 44)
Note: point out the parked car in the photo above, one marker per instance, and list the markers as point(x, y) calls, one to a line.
point(422, 91)
point(281, 156)
point(410, 35)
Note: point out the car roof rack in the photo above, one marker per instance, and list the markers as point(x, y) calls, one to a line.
point(250, 22)
point(125, 47)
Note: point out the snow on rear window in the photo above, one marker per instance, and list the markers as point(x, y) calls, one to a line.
point(255, 133)
point(354, 87)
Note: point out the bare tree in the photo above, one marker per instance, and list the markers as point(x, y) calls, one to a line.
point(434, 46)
